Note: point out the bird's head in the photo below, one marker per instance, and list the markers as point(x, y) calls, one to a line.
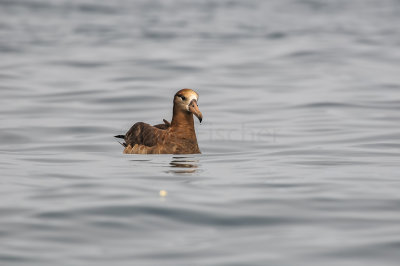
point(186, 100)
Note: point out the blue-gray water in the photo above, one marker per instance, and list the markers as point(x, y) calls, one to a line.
point(300, 139)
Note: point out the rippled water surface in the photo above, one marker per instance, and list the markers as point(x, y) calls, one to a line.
point(300, 139)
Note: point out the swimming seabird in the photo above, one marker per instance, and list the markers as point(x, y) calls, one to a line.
point(177, 137)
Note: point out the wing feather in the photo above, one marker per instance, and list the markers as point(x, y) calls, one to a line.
point(166, 125)
point(143, 134)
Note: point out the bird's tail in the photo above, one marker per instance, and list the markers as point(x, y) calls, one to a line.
point(121, 137)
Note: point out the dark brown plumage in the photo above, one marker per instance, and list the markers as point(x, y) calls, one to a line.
point(177, 137)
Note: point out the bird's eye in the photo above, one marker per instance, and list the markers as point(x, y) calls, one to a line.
point(183, 97)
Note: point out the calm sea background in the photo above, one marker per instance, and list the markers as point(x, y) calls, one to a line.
point(300, 137)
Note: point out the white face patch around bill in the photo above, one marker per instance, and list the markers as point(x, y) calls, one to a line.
point(189, 99)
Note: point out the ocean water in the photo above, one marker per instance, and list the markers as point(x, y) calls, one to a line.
point(300, 140)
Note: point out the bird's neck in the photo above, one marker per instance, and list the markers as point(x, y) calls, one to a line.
point(183, 123)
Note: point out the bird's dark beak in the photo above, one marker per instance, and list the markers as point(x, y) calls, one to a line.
point(194, 108)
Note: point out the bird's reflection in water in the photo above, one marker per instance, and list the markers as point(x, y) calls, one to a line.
point(183, 165)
